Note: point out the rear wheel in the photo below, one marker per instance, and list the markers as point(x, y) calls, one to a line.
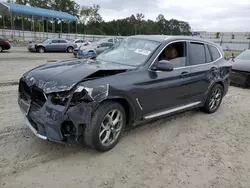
point(70, 49)
point(106, 127)
point(41, 50)
point(214, 99)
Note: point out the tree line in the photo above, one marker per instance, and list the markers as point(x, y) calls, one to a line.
point(91, 22)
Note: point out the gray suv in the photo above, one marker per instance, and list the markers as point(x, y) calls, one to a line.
point(52, 45)
point(142, 78)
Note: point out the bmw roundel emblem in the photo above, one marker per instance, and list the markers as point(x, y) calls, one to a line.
point(32, 80)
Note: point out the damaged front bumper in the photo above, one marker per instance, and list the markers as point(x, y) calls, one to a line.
point(59, 122)
point(27, 122)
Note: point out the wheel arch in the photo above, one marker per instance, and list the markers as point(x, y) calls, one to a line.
point(40, 46)
point(128, 107)
point(220, 82)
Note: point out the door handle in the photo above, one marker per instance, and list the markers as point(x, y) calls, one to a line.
point(184, 74)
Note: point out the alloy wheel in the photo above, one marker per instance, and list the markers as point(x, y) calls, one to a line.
point(111, 127)
point(215, 99)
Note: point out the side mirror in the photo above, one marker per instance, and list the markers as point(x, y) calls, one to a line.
point(164, 65)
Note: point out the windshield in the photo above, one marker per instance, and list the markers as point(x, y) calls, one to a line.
point(130, 51)
point(46, 41)
point(244, 55)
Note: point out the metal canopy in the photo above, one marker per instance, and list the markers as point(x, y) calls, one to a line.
point(18, 10)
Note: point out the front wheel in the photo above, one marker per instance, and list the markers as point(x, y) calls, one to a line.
point(41, 50)
point(106, 127)
point(214, 99)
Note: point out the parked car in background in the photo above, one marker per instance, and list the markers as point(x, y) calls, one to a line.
point(81, 42)
point(241, 69)
point(95, 48)
point(141, 78)
point(4, 44)
point(53, 45)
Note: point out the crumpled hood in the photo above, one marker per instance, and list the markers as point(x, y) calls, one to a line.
point(241, 65)
point(63, 76)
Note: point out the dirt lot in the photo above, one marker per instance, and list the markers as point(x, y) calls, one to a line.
point(188, 150)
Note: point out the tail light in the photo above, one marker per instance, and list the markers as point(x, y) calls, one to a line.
point(6, 42)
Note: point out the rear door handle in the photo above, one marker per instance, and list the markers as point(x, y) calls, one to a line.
point(184, 74)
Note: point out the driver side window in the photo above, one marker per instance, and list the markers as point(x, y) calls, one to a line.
point(175, 53)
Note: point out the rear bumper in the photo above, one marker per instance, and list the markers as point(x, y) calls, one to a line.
point(86, 54)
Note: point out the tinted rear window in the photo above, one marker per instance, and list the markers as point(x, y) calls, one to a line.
point(214, 52)
point(197, 53)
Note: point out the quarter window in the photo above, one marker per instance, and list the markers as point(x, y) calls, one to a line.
point(63, 41)
point(214, 52)
point(197, 53)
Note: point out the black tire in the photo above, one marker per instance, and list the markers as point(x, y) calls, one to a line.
point(92, 131)
point(211, 96)
point(70, 49)
point(41, 49)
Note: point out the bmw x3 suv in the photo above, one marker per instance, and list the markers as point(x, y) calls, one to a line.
point(143, 77)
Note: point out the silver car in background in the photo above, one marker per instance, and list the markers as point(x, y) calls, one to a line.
point(53, 45)
point(84, 51)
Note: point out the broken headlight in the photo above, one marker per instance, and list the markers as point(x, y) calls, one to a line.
point(89, 94)
point(60, 98)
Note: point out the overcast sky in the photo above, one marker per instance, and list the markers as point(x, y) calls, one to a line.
point(202, 15)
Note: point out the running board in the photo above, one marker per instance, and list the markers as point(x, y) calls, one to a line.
point(171, 110)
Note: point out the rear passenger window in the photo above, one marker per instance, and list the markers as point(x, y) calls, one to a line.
point(214, 52)
point(63, 41)
point(197, 53)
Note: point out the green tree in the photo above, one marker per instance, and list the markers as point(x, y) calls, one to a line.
point(91, 22)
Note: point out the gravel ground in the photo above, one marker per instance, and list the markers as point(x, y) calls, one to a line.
point(190, 150)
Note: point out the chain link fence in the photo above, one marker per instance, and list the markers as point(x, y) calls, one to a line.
point(18, 36)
